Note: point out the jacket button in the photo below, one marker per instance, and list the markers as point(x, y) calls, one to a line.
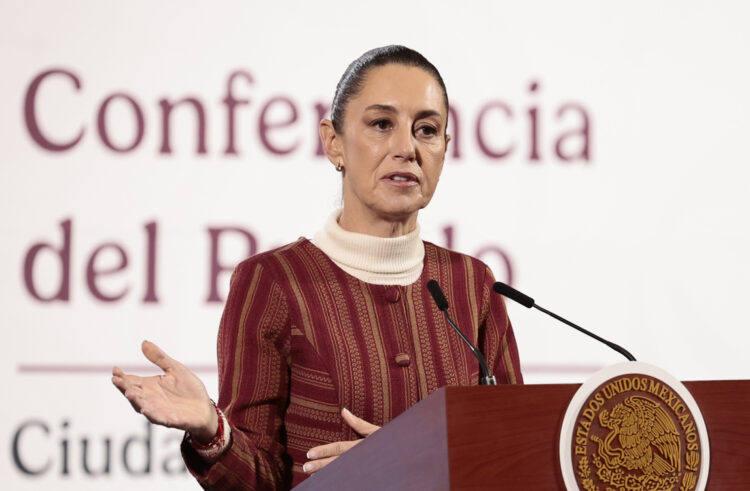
point(402, 360)
point(393, 294)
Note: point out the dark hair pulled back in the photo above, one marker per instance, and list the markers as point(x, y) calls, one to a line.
point(353, 78)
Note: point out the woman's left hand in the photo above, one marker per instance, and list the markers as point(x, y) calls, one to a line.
point(323, 455)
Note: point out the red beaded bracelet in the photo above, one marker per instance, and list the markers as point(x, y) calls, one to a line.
point(219, 440)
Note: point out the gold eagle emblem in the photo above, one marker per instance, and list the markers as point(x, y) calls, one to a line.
point(642, 438)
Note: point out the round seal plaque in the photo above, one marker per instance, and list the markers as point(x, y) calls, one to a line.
point(633, 427)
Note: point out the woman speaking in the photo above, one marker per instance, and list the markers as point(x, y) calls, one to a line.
point(323, 341)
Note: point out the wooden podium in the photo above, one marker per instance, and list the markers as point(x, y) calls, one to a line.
point(507, 437)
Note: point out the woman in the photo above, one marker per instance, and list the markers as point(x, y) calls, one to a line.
point(317, 331)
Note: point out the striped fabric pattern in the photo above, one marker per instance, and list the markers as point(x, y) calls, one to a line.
point(300, 339)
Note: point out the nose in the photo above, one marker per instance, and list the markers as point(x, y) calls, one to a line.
point(403, 145)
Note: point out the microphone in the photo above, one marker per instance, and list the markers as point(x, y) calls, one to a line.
point(528, 302)
point(442, 305)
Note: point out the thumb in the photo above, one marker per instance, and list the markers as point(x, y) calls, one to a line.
point(157, 356)
point(359, 425)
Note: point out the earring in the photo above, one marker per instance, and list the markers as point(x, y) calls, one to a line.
point(339, 166)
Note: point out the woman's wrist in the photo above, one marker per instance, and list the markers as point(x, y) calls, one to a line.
point(206, 433)
point(212, 446)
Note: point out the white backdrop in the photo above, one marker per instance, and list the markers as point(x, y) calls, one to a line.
point(636, 226)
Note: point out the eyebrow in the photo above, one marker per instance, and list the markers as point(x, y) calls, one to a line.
point(388, 108)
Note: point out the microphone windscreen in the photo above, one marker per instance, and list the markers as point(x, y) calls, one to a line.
point(437, 295)
point(513, 294)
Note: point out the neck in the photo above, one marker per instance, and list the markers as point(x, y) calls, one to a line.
point(376, 260)
point(376, 225)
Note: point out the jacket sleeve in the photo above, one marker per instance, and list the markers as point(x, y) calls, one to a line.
point(253, 350)
point(496, 339)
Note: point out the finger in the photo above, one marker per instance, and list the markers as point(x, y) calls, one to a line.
point(134, 397)
point(122, 378)
point(128, 381)
point(330, 449)
point(134, 394)
point(119, 374)
point(157, 356)
point(126, 384)
point(359, 425)
point(315, 465)
point(119, 382)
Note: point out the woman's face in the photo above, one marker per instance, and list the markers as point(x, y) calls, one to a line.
point(393, 144)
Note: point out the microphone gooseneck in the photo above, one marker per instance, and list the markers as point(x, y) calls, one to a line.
point(528, 302)
point(442, 305)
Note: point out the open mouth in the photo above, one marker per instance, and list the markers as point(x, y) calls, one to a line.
point(402, 177)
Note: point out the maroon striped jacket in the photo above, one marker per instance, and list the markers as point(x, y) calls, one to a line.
point(300, 339)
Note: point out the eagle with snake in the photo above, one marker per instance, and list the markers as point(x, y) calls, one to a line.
point(642, 438)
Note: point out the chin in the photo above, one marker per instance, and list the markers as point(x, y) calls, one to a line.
point(401, 210)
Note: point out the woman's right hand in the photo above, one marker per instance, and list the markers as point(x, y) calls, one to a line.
point(177, 399)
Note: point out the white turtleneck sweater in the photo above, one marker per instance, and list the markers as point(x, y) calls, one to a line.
point(376, 260)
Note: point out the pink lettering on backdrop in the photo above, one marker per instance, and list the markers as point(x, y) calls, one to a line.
point(492, 153)
point(219, 263)
point(101, 123)
point(216, 267)
point(231, 102)
point(151, 236)
point(582, 133)
point(166, 109)
point(31, 117)
point(63, 254)
point(483, 252)
point(265, 127)
point(533, 127)
point(280, 113)
point(486, 251)
point(93, 272)
point(454, 129)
